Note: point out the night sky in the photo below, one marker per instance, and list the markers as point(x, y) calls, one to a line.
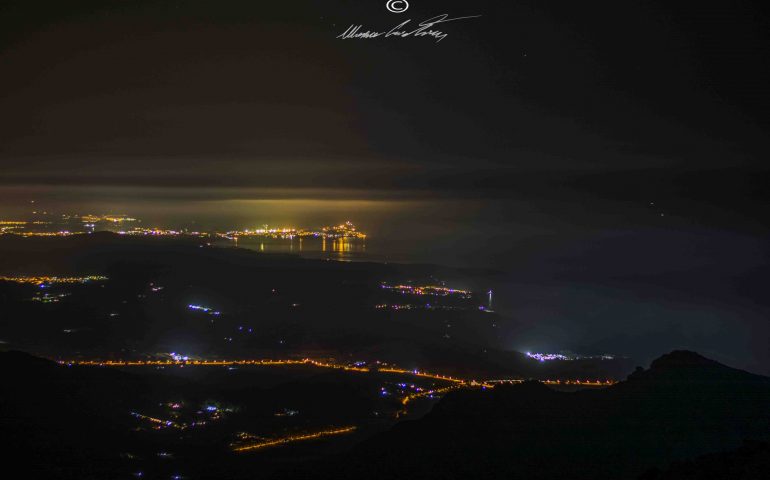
point(609, 157)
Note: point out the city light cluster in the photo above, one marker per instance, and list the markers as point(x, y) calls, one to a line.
point(548, 357)
point(49, 298)
point(385, 306)
point(157, 232)
point(69, 225)
point(265, 232)
point(51, 280)
point(106, 218)
point(431, 290)
point(159, 423)
point(61, 233)
point(207, 310)
point(345, 230)
point(11, 226)
point(409, 306)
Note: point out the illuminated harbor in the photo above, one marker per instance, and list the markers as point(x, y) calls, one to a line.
point(343, 231)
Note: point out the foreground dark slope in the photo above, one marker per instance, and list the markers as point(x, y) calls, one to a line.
point(73, 423)
point(63, 422)
point(684, 405)
point(749, 462)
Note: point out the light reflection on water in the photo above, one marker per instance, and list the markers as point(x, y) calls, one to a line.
point(340, 249)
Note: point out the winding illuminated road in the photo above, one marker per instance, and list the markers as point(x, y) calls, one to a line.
point(291, 439)
point(455, 383)
point(329, 365)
